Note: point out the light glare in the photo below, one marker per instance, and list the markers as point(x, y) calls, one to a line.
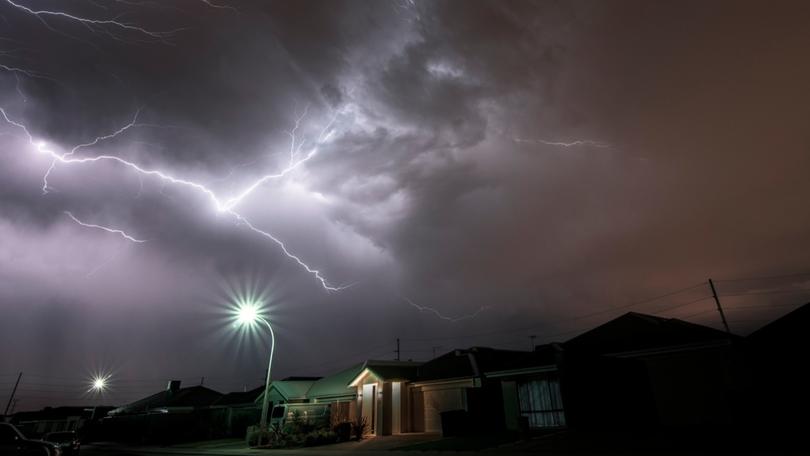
point(247, 314)
point(98, 384)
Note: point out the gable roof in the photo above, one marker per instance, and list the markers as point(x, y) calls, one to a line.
point(291, 389)
point(472, 362)
point(335, 385)
point(387, 370)
point(635, 331)
point(789, 329)
point(192, 396)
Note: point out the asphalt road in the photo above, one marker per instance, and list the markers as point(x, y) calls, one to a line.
point(95, 450)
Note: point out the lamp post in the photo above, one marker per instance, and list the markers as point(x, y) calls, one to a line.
point(248, 315)
point(98, 385)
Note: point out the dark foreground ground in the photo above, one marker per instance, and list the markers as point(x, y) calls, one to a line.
point(749, 442)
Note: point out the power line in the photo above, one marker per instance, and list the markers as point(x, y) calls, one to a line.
point(751, 279)
point(766, 292)
point(579, 317)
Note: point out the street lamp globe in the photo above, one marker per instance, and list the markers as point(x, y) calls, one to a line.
point(98, 383)
point(247, 314)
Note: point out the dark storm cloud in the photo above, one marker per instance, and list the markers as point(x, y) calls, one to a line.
point(421, 190)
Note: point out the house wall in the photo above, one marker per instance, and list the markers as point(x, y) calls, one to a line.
point(386, 411)
point(396, 408)
point(417, 409)
point(693, 388)
point(430, 399)
point(511, 406)
point(400, 416)
point(384, 405)
point(368, 407)
point(606, 393)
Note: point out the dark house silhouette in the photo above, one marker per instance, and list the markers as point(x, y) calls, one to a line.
point(175, 414)
point(232, 413)
point(57, 419)
point(780, 388)
point(641, 370)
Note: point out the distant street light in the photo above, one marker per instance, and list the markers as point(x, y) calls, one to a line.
point(248, 315)
point(98, 384)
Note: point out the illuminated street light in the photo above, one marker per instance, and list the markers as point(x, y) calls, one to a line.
point(98, 384)
point(248, 315)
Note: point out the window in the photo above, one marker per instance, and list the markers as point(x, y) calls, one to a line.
point(541, 402)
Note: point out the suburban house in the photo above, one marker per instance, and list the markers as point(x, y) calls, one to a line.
point(642, 370)
point(457, 381)
point(333, 389)
point(174, 414)
point(530, 389)
point(633, 371)
point(290, 390)
point(232, 413)
point(372, 390)
point(57, 419)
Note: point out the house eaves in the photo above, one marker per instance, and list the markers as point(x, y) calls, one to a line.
point(672, 349)
point(523, 371)
point(441, 381)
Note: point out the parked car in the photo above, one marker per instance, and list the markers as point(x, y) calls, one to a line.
point(14, 443)
point(68, 441)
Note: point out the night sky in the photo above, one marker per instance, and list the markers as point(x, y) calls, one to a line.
point(472, 172)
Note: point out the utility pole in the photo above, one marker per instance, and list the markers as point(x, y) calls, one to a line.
point(398, 352)
point(13, 392)
point(531, 342)
point(202, 380)
point(719, 307)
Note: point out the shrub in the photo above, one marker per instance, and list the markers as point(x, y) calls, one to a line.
point(274, 437)
point(359, 427)
point(343, 431)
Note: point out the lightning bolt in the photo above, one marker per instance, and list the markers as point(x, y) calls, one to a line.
point(24, 72)
point(94, 25)
point(223, 206)
point(219, 6)
point(440, 315)
point(576, 143)
point(97, 140)
point(105, 228)
point(314, 272)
